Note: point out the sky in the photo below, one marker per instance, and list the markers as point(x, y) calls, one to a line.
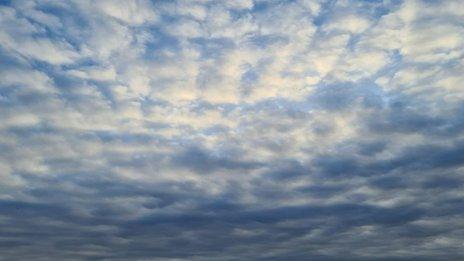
point(232, 130)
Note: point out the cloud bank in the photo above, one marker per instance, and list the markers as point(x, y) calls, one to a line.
point(231, 130)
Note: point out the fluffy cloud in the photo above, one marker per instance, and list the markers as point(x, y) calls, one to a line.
point(226, 130)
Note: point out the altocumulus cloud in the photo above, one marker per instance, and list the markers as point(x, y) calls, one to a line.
point(231, 130)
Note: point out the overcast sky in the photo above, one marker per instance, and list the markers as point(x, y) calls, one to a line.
point(232, 130)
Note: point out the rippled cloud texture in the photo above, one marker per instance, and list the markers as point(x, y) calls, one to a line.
point(231, 130)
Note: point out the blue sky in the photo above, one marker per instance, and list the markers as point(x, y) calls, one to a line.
point(231, 130)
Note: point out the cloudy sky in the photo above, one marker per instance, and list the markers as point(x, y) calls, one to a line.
point(232, 130)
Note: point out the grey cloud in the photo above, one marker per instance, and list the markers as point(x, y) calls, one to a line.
point(203, 162)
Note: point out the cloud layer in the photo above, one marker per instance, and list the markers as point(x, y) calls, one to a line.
point(231, 130)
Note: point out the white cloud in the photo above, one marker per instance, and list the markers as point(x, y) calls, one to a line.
point(240, 4)
point(133, 12)
point(18, 38)
point(354, 24)
point(95, 73)
point(35, 80)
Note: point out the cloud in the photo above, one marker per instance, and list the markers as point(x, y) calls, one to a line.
point(350, 23)
point(18, 37)
point(231, 130)
point(134, 13)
